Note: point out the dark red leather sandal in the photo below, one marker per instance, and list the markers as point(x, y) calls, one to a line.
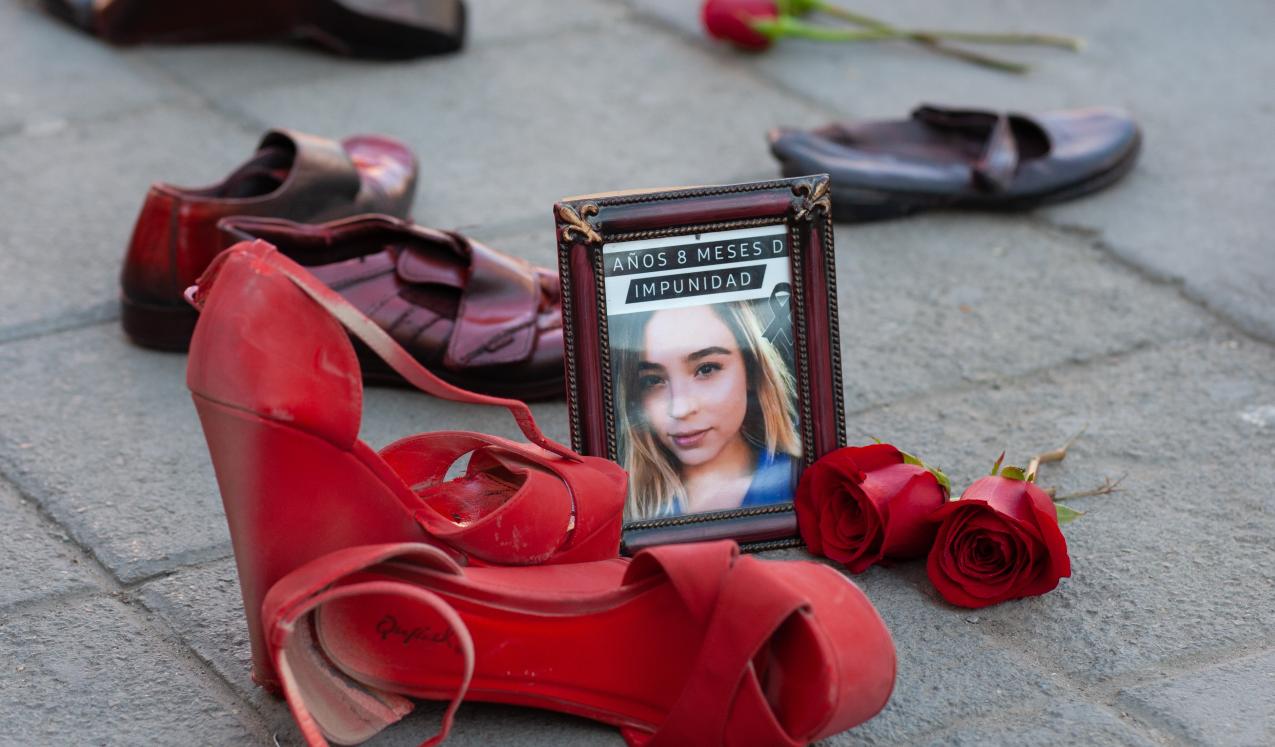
point(292, 175)
point(277, 386)
point(477, 318)
point(690, 645)
point(374, 29)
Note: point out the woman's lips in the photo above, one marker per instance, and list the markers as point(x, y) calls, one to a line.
point(688, 439)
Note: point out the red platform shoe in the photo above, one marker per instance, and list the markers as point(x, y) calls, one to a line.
point(693, 645)
point(278, 390)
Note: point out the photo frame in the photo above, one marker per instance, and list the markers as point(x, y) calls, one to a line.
point(703, 352)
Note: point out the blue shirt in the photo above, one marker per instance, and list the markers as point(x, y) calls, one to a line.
point(773, 481)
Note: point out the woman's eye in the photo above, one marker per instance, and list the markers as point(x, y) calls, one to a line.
point(707, 369)
point(649, 381)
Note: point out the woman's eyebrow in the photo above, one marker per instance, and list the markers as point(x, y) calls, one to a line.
point(648, 364)
point(707, 352)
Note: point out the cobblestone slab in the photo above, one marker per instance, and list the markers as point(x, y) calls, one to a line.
point(88, 672)
point(37, 559)
point(1230, 704)
point(50, 74)
point(1214, 239)
point(1174, 565)
point(65, 222)
point(103, 436)
point(685, 119)
point(945, 300)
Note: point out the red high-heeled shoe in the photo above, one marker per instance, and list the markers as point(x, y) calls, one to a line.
point(693, 645)
point(279, 394)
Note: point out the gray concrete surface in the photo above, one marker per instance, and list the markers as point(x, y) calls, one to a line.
point(1142, 314)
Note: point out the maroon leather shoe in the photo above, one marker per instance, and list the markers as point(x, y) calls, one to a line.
point(292, 175)
point(477, 318)
point(377, 29)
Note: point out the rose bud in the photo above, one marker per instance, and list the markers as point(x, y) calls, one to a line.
point(862, 504)
point(999, 541)
point(731, 20)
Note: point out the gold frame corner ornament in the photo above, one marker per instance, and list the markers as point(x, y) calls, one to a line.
point(816, 197)
point(577, 224)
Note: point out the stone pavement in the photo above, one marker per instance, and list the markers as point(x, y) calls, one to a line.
point(1142, 313)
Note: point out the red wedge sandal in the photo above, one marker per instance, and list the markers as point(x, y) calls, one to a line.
point(693, 645)
point(277, 386)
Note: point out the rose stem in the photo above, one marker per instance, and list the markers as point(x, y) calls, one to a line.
point(925, 40)
point(1106, 488)
point(1049, 457)
point(1073, 43)
point(788, 26)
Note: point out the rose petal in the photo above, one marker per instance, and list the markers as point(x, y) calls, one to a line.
point(937, 564)
point(855, 537)
point(874, 456)
point(912, 494)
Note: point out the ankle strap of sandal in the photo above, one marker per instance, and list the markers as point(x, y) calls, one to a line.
point(336, 698)
point(375, 338)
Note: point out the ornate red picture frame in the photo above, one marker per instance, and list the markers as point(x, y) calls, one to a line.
point(703, 351)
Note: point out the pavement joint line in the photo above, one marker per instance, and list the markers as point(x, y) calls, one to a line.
point(224, 693)
point(9, 470)
point(1175, 667)
point(1013, 714)
point(136, 584)
point(1137, 715)
point(105, 312)
point(1031, 663)
point(1096, 238)
point(1138, 711)
point(237, 116)
point(1109, 693)
point(1064, 368)
point(60, 599)
point(14, 130)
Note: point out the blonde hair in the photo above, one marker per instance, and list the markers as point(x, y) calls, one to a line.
point(655, 485)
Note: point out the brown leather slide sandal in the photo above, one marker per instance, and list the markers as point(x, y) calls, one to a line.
point(961, 158)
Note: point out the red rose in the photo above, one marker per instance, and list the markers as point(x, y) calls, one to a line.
point(861, 504)
point(999, 541)
point(729, 20)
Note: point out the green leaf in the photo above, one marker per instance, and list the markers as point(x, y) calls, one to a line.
point(944, 481)
point(1014, 473)
point(997, 467)
point(1067, 515)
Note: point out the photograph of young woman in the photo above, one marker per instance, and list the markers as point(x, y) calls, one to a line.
point(706, 411)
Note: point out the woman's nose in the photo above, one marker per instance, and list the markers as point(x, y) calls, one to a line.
point(680, 402)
